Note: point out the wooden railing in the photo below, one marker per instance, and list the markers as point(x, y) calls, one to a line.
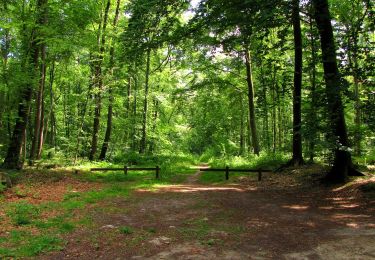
point(126, 169)
point(227, 170)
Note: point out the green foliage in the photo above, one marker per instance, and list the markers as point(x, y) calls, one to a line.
point(23, 213)
point(126, 230)
point(2, 187)
point(34, 244)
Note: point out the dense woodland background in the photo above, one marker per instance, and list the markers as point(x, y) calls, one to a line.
point(118, 79)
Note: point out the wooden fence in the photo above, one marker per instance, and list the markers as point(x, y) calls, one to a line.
point(227, 170)
point(126, 169)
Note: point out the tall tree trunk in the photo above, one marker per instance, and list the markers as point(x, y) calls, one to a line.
point(154, 121)
point(242, 125)
point(51, 105)
point(39, 113)
point(265, 110)
point(252, 119)
point(99, 85)
point(142, 146)
point(4, 49)
point(342, 165)
point(13, 157)
point(134, 123)
point(357, 100)
point(108, 131)
point(297, 135)
point(313, 125)
point(274, 104)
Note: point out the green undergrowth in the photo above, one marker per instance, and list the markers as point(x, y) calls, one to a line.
point(263, 161)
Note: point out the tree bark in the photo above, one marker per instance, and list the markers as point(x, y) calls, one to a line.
point(99, 85)
point(242, 125)
point(134, 123)
point(297, 135)
point(108, 131)
point(39, 113)
point(313, 125)
point(252, 119)
point(342, 165)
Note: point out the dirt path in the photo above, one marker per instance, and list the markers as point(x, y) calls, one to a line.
point(193, 221)
point(194, 178)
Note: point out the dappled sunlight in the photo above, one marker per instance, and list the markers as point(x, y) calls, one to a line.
point(326, 207)
point(353, 225)
point(336, 199)
point(296, 207)
point(349, 216)
point(192, 188)
point(257, 223)
point(310, 224)
point(349, 206)
point(200, 167)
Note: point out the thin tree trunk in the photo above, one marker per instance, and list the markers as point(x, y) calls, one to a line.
point(99, 84)
point(242, 125)
point(108, 131)
point(134, 129)
point(342, 165)
point(312, 115)
point(274, 104)
point(297, 135)
point(51, 104)
point(154, 120)
point(142, 146)
point(357, 100)
point(39, 113)
point(273, 118)
point(265, 108)
point(252, 119)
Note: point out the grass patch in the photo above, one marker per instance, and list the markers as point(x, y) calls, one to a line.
point(126, 230)
point(23, 213)
point(26, 244)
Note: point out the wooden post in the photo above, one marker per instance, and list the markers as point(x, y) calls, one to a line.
point(227, 173)
point(157, 172)
point(259, 175)
point(126, 170)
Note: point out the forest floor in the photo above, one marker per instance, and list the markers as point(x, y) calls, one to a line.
point(287, 215)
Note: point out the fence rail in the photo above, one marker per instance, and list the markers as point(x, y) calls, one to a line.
point(227, 170)
point(126, 169)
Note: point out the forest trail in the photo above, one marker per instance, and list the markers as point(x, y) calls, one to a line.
point(234, 221)
point(194, 178)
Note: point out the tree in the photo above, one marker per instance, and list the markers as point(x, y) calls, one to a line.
point(98, 80)
point(342, 165)
point(297, 135)
point(13, 158)
point(108, 131)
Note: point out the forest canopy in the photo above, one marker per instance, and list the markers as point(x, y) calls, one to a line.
point(112, 79)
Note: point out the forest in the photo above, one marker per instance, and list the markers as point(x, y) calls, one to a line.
point(279, 85)
point(102, 80)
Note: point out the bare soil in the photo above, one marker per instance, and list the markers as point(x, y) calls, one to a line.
point(281, 217)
